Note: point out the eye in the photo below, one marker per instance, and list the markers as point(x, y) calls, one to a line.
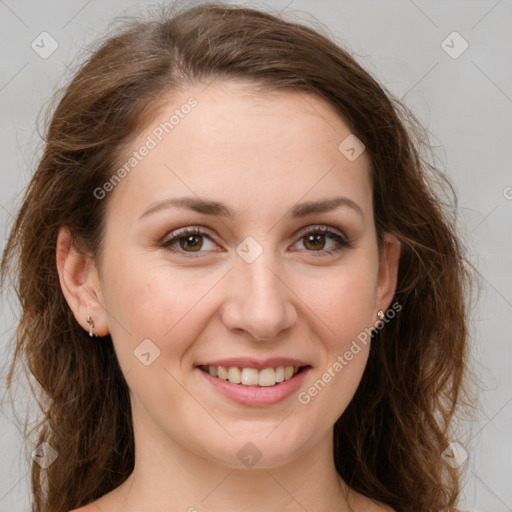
point(314, 239)
point(190, 240)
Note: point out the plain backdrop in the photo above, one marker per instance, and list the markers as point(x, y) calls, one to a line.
point(462, 95)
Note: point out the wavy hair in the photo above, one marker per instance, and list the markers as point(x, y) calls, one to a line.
point(388, 443)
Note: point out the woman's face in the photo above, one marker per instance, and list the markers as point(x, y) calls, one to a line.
point(258, 286)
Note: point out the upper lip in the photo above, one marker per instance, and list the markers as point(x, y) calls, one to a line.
point(259, 364)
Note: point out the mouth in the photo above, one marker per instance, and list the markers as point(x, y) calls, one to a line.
point(255, 383)
point(253, 377)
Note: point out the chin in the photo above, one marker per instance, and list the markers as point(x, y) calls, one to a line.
point(257, 448)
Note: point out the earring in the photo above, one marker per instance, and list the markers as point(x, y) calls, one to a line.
point(91, 326)
point(381, 314)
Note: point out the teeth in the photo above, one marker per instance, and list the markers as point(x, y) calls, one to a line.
point(267, 377)
point(251, 376)
point(234, 375)
point(222, 373)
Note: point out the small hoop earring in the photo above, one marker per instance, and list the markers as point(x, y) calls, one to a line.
point(380, 314)
point(91, 326)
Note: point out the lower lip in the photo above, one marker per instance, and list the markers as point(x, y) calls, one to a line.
point(257, 395)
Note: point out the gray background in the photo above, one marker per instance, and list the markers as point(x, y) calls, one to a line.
point(466, 102)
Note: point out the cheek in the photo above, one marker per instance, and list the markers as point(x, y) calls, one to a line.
point(155, 302)
point(344, 300)
point(154, 313)
point(328, 396)
point(347, 309)
point(345, 303)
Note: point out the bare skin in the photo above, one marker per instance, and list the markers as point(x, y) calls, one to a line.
point(260, 156)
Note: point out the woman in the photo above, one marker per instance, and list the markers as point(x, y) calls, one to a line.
point(239, 288)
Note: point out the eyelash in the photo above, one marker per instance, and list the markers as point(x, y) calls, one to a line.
point(343, 243)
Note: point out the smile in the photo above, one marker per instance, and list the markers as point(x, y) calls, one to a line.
point(255, 387)
point(252, 376)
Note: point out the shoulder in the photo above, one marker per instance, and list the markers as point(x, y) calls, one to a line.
point(370, 505)
point(380, 507)
point(107, 502)
point(377, 506)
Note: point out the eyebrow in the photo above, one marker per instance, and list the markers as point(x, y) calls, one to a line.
point(219, 209)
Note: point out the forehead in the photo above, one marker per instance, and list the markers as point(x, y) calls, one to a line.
point(251, 148)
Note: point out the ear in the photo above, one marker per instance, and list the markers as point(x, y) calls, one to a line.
point(388, 272)
point(80, 284)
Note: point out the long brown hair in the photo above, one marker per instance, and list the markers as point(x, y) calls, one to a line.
point(388, 443)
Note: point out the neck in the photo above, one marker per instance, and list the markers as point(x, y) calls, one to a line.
point(168, 477)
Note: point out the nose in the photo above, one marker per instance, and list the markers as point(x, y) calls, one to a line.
point(260, 304)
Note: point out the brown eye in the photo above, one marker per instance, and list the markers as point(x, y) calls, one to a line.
point(315, 242)
point(191, 242)
point(187, 242)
